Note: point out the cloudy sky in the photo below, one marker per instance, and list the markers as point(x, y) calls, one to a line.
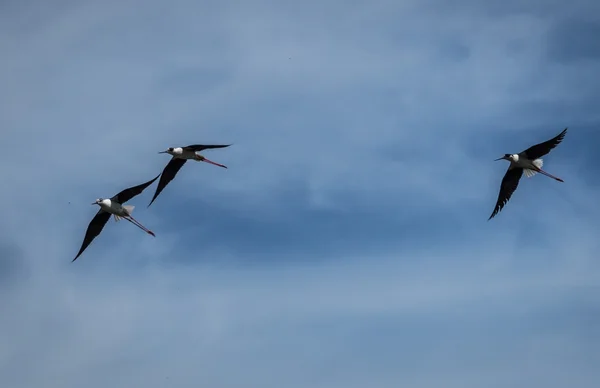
point(347, 245)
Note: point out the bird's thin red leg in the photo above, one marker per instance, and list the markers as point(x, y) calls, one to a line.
point(549, 175)
point(203, 159)
point(139, 225)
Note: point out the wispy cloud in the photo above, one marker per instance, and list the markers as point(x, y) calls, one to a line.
point(347, 243)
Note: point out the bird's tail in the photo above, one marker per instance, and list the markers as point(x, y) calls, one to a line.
point(129, 208)
point(537, 163)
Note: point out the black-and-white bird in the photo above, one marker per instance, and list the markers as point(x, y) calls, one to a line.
point(530, 162)
point(114, 206)
point(180, 156)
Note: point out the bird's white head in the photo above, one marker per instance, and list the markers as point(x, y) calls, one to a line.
point(101, 201)
point(172, 151)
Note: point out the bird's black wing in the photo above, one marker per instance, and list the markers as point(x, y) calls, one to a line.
point(539, 150)
point(507, 188)
point(131, 192)
point(167, 175)
point(200, 147)
point(93, 230)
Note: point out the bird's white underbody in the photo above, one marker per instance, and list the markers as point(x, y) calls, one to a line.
point(115, 208)
point(180, 153)
point(530, 167)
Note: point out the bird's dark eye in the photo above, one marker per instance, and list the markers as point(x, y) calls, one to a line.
point(170, 148)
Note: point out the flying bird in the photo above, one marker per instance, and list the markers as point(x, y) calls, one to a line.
point(114, 206)
point(180, 156)
point(529, 161)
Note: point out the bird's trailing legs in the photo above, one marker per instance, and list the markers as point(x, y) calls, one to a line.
point(200, 158)
point(549, 175)
point(139, 225)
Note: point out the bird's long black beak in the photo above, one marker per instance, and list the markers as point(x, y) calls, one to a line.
point(495, 160)
point(162, 152)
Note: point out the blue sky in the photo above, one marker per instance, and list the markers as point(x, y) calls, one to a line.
point(347, 245)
